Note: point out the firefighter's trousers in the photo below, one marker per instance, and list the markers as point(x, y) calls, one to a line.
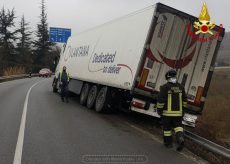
point(170, 124)
point(64, 92)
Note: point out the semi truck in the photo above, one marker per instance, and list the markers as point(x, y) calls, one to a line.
point(122, 64)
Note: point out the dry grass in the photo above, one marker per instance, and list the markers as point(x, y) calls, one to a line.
point(214, 123)
point(14, 71)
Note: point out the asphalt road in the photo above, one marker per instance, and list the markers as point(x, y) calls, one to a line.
point(67, 133)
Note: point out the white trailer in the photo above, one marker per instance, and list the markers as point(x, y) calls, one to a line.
point(123, 63)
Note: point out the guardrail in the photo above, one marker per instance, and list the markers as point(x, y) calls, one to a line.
point(209, 145)
point(14, 77)
point(227, 67)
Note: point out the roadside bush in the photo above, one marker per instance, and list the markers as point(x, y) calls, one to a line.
point(14, 71)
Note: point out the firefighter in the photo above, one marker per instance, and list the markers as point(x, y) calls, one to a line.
point(64, 78)
point(170, 105)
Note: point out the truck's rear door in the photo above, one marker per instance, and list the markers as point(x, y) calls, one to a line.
point(173, 46)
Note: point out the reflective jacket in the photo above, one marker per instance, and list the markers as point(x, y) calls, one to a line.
point(171, 100)
point(64, 77)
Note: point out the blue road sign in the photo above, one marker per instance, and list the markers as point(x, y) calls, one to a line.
point(59, 34)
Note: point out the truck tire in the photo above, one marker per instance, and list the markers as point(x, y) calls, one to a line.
point(84, 93)
point(92, 96)
point(102, 100)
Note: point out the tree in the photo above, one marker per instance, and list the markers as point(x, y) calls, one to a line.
point(42, 45)
point(24, 44)
point(54, 57)
point(7, 34)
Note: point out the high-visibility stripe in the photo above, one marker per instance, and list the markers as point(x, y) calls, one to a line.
point(160, 105)
point(169, 102)
point(67, 76)
point(178, 129)
point(184, 104)
point(172, 114)
point(167, 133)
point(180, 98)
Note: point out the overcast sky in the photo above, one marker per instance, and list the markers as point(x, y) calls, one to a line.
point(80, 15)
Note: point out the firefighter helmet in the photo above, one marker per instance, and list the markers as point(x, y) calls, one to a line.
point(171, 73)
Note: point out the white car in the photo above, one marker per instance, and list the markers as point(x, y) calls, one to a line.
point(45, 72)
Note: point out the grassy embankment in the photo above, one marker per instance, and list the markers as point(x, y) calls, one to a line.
point(214, 124)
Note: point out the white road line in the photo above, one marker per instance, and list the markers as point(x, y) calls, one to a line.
point(19, 146)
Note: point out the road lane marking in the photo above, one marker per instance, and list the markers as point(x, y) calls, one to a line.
point(19, 146)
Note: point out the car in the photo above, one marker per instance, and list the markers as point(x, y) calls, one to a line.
point(45, 72)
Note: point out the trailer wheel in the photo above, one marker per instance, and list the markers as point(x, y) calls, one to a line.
point(84, 94)
point(102, 100)
point(92, 96)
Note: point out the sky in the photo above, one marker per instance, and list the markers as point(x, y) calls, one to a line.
point(80, 15)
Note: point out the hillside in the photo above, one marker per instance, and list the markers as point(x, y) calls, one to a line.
point(223, 58)
point(214, 122)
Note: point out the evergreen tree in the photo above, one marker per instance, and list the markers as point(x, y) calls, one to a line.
point(24, 44)
point(42, 45)
point(7, 34)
